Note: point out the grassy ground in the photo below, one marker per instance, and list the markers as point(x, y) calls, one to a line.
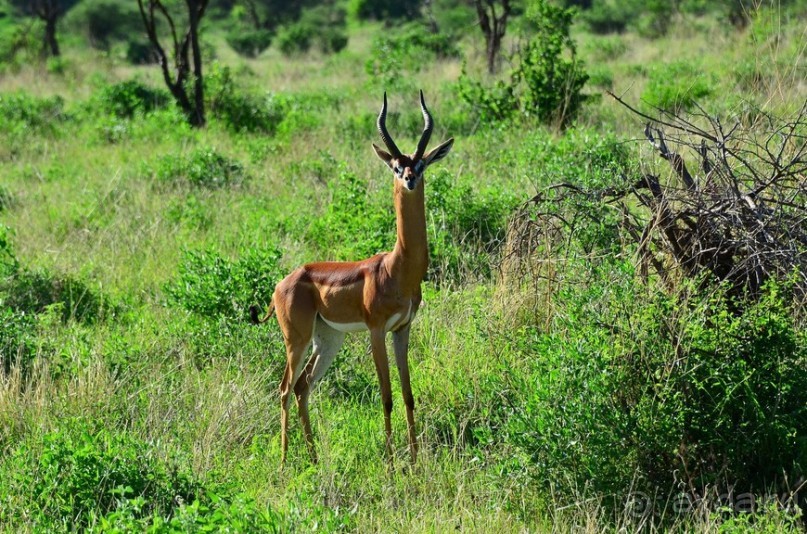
point(191, 400)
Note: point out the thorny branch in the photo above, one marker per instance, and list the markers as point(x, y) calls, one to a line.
point(739, 218)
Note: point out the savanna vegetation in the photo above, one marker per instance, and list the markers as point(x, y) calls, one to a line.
point(613, 333)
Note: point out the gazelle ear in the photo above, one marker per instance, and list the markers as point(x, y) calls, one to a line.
point(439, 152)
point(383, 155)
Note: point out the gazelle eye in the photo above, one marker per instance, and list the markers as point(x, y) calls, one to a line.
point(398, 169)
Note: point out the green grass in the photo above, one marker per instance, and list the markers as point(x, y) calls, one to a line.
point(166, 230)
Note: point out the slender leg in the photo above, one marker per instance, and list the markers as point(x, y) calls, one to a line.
point(400, 345)
point(382, 369)
point(294, 367)
point(327, 343)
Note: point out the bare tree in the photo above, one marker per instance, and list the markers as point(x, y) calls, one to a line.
point(50, 11)
point(494, 26)
point(187, 55)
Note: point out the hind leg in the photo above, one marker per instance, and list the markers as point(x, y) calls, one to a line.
point(295, 353)
point(327, 342)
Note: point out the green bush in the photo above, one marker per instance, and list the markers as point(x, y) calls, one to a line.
point(547, 80)
point(18, 43)
point(140, 52)
point(202, 167)
point(27, 292)
point(127, 99)
point(353, 226)
point(72, 477)
point(676, 86)
point(608, 17)
point(238, 110)
point(704, 392)
point(295, 38)
point(385, 9)
point(21, 113)
point(407, 50)
point(213, 286)
point(17, 339)
point(105, 21)
point(238, 513)
point(35, 291)
point(249, 42)
point(552, 84)
point(465, 227)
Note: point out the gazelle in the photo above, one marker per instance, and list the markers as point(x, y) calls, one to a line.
point(319, 302)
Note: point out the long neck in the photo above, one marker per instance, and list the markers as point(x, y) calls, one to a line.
point(411, 254)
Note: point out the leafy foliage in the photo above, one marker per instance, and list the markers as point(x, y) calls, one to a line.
point(353, 226)
point(547, 80)
point(322, 26)
point(21, 113)
point(385, 9)
point(407, 50)
point(84, 475)
point(689, 390)
point(212, 286)
point(552, 83)
point(249, 43)
point(202, 167)
point(237, 109)
point(129, 98)
point(104, 22)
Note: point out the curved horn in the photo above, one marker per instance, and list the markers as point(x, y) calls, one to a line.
point(427, 129)
point(382, 130)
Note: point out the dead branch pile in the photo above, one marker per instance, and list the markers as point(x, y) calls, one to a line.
point(736, 212)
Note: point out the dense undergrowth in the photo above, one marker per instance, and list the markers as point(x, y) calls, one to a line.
point(134, 395)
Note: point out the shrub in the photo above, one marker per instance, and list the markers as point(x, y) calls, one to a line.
point(237, 109)
point(607, 17)
point(17, 339)
point(465, 227)
point(202, 167)
point(140, 52)
point(295, 38)
point(212, 286)
point(407, 50)
point(18, 43)
point(27, 292)
point(552, 83)
point(21, 113)
point(699, 391)
point(676, 86)
point(105, 21)
point(547, 81)
point(33, 292)
point(249, 43)
point(70, 477)
point(352, 226)
point(129, 98)
point(385, 9)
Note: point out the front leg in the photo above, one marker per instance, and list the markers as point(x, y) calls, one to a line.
point(379, 348)
point(400, 344)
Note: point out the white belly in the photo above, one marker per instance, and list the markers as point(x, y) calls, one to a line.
point(345, 327)
point(392, 322)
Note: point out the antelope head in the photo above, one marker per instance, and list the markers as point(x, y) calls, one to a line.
point(408, 169)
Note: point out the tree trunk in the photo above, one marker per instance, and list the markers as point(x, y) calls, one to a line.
point(198, 117)
point(51, 44)
point(494, 43)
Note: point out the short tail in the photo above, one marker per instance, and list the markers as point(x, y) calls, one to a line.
point(254, 310)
